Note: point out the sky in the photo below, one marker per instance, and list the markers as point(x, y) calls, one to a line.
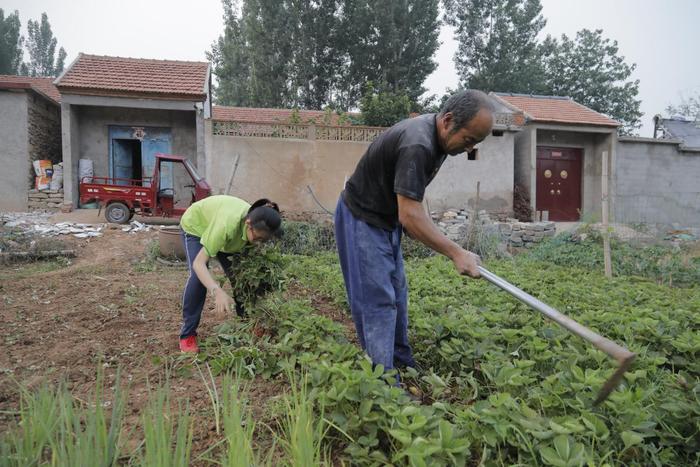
point(662, 38)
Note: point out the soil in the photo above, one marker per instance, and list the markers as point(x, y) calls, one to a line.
point(108, 308)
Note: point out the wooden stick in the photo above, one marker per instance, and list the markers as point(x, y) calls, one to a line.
point(233, 174)
point(472, 221)
point(37, 254)
point(606, 233)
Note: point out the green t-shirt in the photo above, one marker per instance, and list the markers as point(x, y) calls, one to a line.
point(219, 222)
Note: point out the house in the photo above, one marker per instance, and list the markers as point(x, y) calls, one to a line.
point(678, 129)
point(119, 112)
point(558, 156)
point(490, 165)
point(30, 129)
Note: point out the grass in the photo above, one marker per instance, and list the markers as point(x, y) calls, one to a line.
point(303, 432)
point(167, 433)
point(149, 263)
point(239, 428)
point(53, 426)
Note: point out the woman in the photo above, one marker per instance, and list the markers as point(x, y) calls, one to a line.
point(218, 226)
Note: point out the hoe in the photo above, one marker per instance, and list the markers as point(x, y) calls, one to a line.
point(623, 356)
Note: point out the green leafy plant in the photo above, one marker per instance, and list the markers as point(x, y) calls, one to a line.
point(256, 271)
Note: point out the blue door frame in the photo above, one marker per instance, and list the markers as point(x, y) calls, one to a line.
point(154, 140)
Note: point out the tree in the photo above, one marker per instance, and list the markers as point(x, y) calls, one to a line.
point(252, 59)
point(41, 45)
point(318, 53)
point(391, 44)
point(314, 35)
point(497, 44)
point(383, 108)
point(229, 56)
point(589, 70)
point(11, 43)
point(688, 108)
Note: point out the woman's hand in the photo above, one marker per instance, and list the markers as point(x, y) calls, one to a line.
point(223, 301)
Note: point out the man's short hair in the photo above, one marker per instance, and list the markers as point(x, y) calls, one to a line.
point(464, 105)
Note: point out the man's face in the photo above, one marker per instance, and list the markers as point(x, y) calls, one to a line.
point(464, 139)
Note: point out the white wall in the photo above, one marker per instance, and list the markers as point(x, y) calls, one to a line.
point(14, 151)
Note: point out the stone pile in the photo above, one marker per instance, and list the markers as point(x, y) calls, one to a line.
point(45, 200)
point(455, 224)
point(452, 223)
point(525, 234)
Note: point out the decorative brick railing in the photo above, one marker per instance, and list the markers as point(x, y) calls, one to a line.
point(365, 134)
point(261, 130)
point(348, 133)
point(297, 131)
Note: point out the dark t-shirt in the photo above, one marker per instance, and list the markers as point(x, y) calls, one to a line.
point(402, 160)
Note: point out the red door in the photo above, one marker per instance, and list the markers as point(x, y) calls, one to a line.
point(559, 182)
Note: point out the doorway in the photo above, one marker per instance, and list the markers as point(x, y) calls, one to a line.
point(127, 161)
point(132, 154)
point(559, 182)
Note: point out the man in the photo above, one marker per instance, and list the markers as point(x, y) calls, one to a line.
point(385, 194)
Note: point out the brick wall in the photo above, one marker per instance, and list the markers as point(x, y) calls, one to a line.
point(44, 131)
point(657, 183)
point(46, 200)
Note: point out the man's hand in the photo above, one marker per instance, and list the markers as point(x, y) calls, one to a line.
point(467, 263)
point(223, 301)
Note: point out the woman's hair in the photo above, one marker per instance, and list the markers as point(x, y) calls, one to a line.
point(264, 215)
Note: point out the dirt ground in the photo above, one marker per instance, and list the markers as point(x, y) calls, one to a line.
point(105, 309)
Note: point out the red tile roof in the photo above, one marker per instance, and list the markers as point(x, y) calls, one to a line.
point(253, 115)
point(555, 110)
point(43, 86)
point(135, 77)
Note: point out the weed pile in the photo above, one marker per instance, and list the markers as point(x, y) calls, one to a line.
point(254, 272)
point(13, 239)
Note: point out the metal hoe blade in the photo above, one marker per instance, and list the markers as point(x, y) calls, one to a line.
point(623, 356)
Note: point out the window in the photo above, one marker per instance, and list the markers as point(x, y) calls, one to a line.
point(473, 154)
